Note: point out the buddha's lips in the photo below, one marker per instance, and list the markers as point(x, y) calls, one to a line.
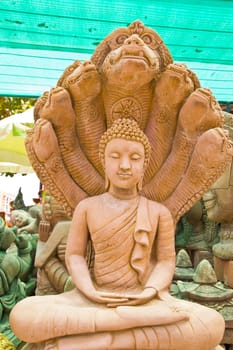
point(124, 175)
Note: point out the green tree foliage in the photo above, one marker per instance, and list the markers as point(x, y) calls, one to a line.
point(12, 105)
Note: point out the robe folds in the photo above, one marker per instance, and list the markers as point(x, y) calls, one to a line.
point(124, 251)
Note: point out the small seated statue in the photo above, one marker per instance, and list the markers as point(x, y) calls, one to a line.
point(52, 274)
point(123, 301)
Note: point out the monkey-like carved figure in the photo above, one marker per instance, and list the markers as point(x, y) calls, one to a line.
point(130, 75)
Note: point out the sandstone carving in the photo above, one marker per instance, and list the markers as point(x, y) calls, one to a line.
point(133, 101)
point(123, 302)
point(132, 75)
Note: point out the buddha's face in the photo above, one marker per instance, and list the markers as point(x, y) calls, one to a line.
point(124, 164)
point(218, 200)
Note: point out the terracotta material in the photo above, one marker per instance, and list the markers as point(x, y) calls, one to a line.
point(52, 274)
point(219, 268)
point(121, 299)
point(131, 74)
point(123, 302)
point(219, 203)
point(219, 199)
point(228, 273)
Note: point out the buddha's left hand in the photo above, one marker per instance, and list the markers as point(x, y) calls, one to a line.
point(135, 299)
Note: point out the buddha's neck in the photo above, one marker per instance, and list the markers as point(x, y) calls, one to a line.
point(123, 194)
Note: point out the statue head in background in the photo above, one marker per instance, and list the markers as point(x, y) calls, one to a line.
point(218, 200)
point(20, 217)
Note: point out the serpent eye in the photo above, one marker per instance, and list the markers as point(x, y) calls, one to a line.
point(121, 39)
point(151, 41)
point(147, 39)
point(72, 81)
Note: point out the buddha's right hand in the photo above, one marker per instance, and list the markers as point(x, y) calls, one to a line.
point(132, 299)
point(106, 297)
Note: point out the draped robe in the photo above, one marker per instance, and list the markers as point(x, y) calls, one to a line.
point(123, 255)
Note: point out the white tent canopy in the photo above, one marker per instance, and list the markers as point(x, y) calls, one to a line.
point(13, 155)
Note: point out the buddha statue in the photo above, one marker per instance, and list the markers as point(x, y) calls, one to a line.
point(122, 301)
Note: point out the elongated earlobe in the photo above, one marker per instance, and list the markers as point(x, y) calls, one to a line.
point(106, 183)
point(139, 185)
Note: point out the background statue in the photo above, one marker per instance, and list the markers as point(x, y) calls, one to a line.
point(219, 206)
point(24, 222)
point(198, 230)
point(17, 278)
point(52, 274)
point(219, 199)
point(18, 202)
point(123, 302)
point(212, 219)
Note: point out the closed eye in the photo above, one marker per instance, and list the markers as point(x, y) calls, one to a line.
point(135, 156)
point(114, 155)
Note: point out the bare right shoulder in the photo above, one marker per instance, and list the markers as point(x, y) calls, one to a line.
point(88, 203)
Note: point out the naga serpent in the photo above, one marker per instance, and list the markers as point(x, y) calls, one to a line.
point(130, 75)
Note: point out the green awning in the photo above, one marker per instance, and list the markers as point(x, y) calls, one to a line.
point(39, 39)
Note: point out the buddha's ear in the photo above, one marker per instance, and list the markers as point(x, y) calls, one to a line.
point(139, 185)
point(106, 183)
point(102, 162)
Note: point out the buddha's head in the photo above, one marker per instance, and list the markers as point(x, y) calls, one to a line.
point(124, 152)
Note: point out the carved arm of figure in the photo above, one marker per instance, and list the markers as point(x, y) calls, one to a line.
point(162, 273)
point(76, 261)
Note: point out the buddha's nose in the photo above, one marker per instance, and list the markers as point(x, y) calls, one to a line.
point(125, 164)
point(134, 40)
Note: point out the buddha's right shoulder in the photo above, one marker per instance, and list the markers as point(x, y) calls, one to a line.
point(88, 202)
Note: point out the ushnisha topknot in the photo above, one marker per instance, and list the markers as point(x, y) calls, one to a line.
point(127, 129)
